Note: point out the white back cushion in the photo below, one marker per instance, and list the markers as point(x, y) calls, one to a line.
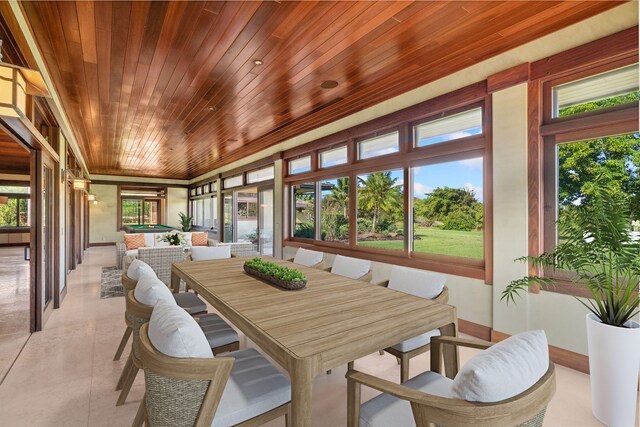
point(150, 239)
point(150, 290)
point(307, 258)
point(504, 370)
point(201, 253)
point(421, 283)
point(174, 333)
point(137, 268)
point(352, 268)
point(187, 238)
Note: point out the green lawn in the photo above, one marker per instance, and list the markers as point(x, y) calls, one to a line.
point(436, 241)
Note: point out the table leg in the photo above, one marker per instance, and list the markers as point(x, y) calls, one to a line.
point(450, 353)
point(175, 282)
point(301, 386)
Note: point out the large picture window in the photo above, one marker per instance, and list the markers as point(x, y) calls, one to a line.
point(411, 192)
point(448, 208)
point(334, 210)
point(381, 210)
point(143, 206)
point(591, 132)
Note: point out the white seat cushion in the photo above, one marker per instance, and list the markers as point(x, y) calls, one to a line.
point(352, 268)
point(202, 253)
point(132, 252)
point(150, 290)
point(307, 258)
point(137, 268)
point(217, 331)
point(174, 333)
point(415, 342)
point(254, 387)
point(504, 370)
point(421, 283)
point(385, 410)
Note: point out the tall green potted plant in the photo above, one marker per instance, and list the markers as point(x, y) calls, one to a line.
point(597, 247)
point(185, 221)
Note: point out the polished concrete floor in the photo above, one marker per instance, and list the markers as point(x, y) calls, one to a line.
point(14, 305)
point(65, 375)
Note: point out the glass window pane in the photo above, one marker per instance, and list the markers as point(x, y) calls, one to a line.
point(213, 187)
point(333, 157)
point(379, 146)
point(24, 213)
point(233, 181)
point(449, 128)
point(266, 222)
point(9, 213)
point(448, 210)
point(131, 211)
point(600, 91)
point(334, 210)
point(150, 212)
point(304, 196)
point(260, 175)
point(579, 163)
point(198, 213)
point(247, 216)
point(381, 210)
point(206, 215)
point(214, 213)
point(303, 164)
point(228, 217)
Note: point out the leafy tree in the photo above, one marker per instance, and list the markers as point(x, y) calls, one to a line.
point(340, 194)
point(456, 208)
point(379, 193)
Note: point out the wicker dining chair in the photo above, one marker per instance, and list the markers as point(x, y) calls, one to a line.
point(138, 314)
point(184, 392)
point(160, 260)
point(526, 409)
point(128, 284)
point(420, 283)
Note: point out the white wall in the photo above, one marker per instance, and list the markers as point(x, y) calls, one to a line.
point(103, 217)
point(177, 201)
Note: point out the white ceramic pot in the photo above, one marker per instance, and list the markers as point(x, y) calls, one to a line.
point(614, 364)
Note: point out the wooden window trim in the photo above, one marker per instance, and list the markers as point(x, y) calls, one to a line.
point(545, 132)
point(409, 156)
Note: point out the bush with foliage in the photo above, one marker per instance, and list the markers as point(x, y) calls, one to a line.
point(185, 221)
point(454, 208)
point(276, 271)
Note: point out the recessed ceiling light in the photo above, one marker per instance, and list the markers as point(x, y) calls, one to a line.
point(328, 84)
point(211, 108)
point(258, 61)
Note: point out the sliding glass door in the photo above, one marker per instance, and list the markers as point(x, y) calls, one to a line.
point(265, 214)
point(248, 218)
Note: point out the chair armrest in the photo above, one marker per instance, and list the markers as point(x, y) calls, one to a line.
point(398, 390)
point(462, 342)
point(367, 277)
point(212, 242)
point(289, 259)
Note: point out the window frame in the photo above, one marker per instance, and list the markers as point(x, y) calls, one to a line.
point(160, 198)
point(408, 156)
point(18, 197)
point(547, 132)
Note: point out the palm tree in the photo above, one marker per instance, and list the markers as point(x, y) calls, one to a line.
point(379, 194)
point(340, 194)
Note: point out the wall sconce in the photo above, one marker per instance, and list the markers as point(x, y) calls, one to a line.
point(80, 184)
point(15, 84)
point(4, 200)
point(95, 202)
point(91, 198)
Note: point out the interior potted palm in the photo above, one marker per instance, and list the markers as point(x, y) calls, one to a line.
point(597, 246)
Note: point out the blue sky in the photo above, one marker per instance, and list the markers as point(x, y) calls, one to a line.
point(458, 174)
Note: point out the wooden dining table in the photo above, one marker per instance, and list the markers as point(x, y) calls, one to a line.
point(330, 322)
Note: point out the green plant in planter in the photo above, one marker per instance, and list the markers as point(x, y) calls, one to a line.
point(185, 221)
point(274, 270)
point(597, 248)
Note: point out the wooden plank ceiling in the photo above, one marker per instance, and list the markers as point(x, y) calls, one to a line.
point(170, 89)
point(14, 158)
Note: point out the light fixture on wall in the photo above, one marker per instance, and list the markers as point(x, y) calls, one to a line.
point(15, 84)
point(91, 197)
point(4, 200)
point(80, 184)
point(95, 202)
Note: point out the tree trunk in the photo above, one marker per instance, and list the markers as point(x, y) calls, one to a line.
point(374, 222)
